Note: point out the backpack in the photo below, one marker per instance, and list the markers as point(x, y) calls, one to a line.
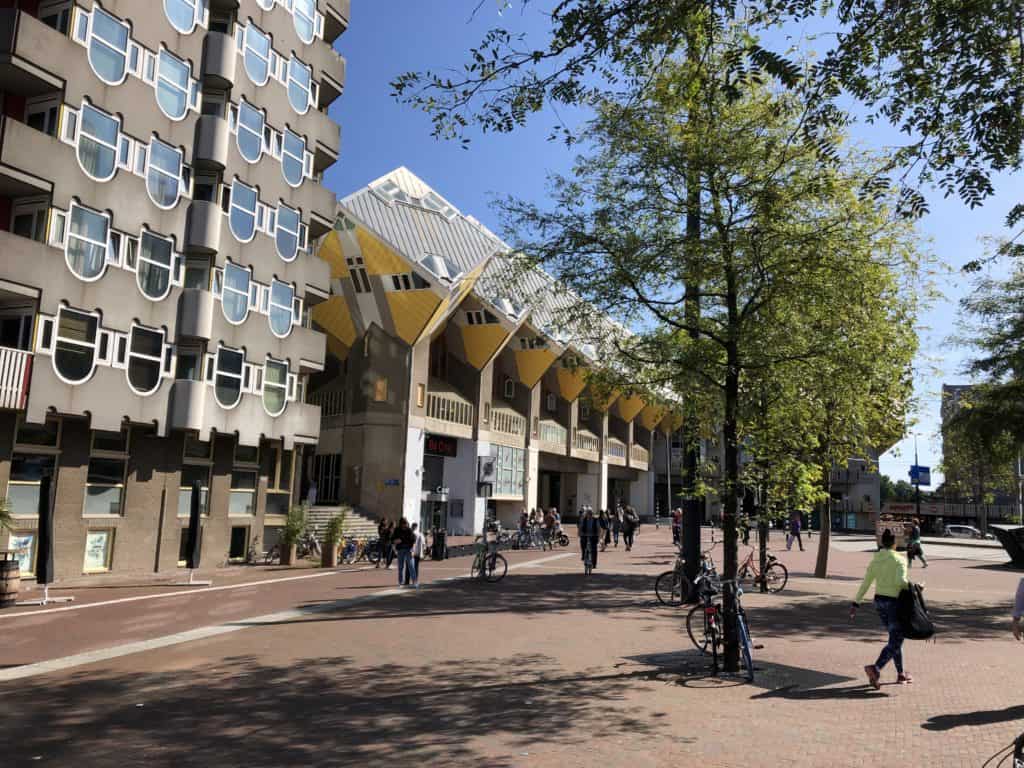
point(913, 613)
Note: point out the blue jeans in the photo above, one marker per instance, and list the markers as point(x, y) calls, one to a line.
point(888, 612)
point(405, 566)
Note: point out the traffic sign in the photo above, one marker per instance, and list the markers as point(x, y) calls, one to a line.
point(920, 475)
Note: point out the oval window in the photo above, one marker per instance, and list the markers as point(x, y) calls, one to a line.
point(172, 85)
point(228, 384)
point(145, 359)
point(286, 235)
point(293, 154)
point(108, 47)
point(97, 143)
point(86, 248)
point(182, 14)
point(235, 293)
point(74, 356)
point(275, 387)
point(304, 14)
point(153, 272)
point(300, 81)
point(242, 215)
point(250, 131)
point(257, 55)
point(282, 296)
point(163, 175)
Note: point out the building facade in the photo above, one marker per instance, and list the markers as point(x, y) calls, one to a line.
point(161, 209)
point(455, 386)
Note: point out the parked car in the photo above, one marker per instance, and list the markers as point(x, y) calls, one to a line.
point(966, 532)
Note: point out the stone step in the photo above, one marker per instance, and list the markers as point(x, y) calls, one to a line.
point(356, 524)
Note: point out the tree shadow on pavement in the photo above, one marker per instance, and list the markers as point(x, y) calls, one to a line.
point(321, 711)
point(981, 717)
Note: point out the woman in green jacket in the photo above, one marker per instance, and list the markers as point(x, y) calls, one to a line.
point(888, 570)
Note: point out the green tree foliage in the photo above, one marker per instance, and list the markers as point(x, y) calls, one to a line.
point(900, 491)
point(948, 73)
point(800, 280)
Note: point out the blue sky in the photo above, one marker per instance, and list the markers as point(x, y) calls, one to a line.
point(378, 135)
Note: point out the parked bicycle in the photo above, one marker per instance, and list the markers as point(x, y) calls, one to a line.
point(708, 633)
point(307, 545)
point(673, 587)
point(488, 564)
point(774, 577)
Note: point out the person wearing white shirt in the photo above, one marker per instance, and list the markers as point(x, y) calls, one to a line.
point(418, 547)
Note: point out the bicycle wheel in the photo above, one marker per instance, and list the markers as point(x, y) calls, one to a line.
point(672, 588)
point(699, 629)
point(1018, 752)
point(474, 570)
point(497, 567)
point(563, 540)
point(776, 576)
point(373, 553)
point(745, 648)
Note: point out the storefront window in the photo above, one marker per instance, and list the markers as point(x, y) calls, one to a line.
point(243, 493)
point(509, 465)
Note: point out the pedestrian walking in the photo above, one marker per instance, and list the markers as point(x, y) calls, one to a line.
point(888, 571)
point(383, 540)
point(616, 526)
point(604, 523)
point(403, 539)
point(914, 544)
point(1018, 611)
point(419, 547)
point(677, 525)
point(744, 525)
point(629, 521)
point(549, 528)
point(389, 553)
point(794, 532)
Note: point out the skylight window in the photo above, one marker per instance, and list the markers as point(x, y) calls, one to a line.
point(441, 267)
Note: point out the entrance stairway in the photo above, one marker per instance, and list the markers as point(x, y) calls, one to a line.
point(356, 524)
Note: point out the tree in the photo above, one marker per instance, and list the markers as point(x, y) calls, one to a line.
point(901, 490)
point(798, 273)
point(948, 73)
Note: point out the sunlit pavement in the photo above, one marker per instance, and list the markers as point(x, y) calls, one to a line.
point(546, 668)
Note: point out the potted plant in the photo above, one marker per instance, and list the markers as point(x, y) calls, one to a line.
point(294, 526)
point(332, 538)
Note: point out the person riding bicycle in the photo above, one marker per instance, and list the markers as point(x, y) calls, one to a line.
point(590, 531)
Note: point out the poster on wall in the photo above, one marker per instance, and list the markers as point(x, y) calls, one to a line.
point(23, 545)
point(97, 547)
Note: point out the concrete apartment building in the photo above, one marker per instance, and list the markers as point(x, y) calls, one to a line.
point(161, 207)
point(454, 387)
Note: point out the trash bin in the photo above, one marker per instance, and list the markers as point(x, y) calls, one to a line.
point(439, 549)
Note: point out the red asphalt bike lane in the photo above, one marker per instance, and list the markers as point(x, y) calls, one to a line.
point(104, 620)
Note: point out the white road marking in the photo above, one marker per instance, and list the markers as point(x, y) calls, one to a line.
point(215, 630)
point(44, 611)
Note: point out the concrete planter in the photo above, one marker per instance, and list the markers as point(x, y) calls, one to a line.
point(329, 555)
point(288, 554)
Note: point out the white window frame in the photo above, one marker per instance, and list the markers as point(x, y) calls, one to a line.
point(239, 127)
point(91, 35)
point(239, 376)
point(297, 233)
point(172, 268)
point(290, 308)
point(200, 15)
point(115, 147)
point(55, 338)
point(68, 235)
point(188, 89)
point(287, 386)
point(309, 90)
point(224, 287)
point(316, 22)
point(270, 53)
point(255, 213)
point(161, 361)
point(179, 179)
point(300, 159)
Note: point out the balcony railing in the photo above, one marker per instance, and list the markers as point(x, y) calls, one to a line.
point(615, 450)
point(15, 371)
point(450, 413)
point(639, 456)
point(553, 437)
point(508, 422)
point(586, 445)
point(331, 403)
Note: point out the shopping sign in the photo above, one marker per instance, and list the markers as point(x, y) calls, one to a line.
point(920, 475)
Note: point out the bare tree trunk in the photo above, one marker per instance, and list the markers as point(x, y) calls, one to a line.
point(825, 534)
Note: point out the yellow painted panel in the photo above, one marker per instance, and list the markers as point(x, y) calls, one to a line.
point(335, 318)
point(671, 423)
point(481, 342)
point(379, 258)
point(411, 311)
point(450, 304)
point(532, 364)
point(651, 416)
point(332, 252)
point(571, 381)
point(602, 404)
point(629, 407)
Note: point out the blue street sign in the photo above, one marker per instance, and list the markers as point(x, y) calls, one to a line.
point(920, 475)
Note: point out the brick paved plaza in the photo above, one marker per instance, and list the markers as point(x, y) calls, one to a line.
point(545, 668)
